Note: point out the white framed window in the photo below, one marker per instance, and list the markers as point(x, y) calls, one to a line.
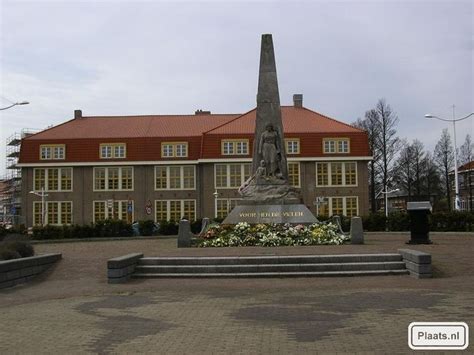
point(52, 179)
point(229, 176)
point(167, 150)
point(113, 178)
point(292, 145)
point(242, 148)
point(343, 146)
point(223, 206)
point(175, 177)
point(57, 212)
point(227, 148)
point(106, 152)
point(174, 149)
point(59, 152)
point(329, 146)
point(235, 147)
point(119, 151)
point(181, 150)
point(294, 174)
point(175, 210)
point(52, 152)
point(45, 153)
point(339, 205)
point(117, 209)
point(322, 206)
point(113, 150)
point(336, 145)
point(336, 174)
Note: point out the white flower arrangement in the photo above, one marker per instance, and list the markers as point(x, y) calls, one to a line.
point(244, 234)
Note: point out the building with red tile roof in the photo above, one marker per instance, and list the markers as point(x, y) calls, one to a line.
point(172, 166)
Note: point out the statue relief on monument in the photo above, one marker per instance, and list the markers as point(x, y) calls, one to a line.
point(269, 147)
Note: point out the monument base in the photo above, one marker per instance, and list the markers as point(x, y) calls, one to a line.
point(277, 214)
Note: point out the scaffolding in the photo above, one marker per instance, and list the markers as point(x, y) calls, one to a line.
point(10, 183)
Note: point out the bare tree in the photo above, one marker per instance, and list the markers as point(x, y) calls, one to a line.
point(444, 156)
point(466, 157)
point(371, 125)
point(387, 139)
point(432, 178)
point(418, 155)
point(404, 168)
point(466, 150)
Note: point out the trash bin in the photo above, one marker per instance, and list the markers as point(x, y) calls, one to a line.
point(419, 224)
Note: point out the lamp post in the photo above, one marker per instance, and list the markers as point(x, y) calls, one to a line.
point(14, 104)
point(386, 198)
point(42, 194)
point(216, 196)
point(457, 206)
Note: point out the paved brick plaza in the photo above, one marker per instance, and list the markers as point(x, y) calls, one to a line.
point(72, 309)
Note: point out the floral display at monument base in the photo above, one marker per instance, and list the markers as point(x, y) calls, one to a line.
point(271, 235)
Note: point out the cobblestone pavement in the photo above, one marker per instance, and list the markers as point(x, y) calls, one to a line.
point(71, 309)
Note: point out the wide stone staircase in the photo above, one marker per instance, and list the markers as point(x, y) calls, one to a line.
point(270, 266)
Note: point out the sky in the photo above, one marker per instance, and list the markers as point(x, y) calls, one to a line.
point(163, 57)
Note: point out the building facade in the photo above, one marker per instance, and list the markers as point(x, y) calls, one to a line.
point(466, 186)
point(174, 166)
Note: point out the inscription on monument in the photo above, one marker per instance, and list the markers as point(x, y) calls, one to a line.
point(272, 214)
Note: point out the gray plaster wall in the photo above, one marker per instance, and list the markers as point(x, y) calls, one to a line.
point(83, 195)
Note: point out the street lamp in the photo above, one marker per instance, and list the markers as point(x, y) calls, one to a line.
point(15, 104)
point(457, 206)
point(386, 198)
point(42, 194)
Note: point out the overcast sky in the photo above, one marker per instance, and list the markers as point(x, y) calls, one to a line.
point(124, 58)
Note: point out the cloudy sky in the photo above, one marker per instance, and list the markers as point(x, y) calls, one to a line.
point(120, 58)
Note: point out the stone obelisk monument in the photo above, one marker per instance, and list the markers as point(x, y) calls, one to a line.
point(268, 104)
point(267, 196)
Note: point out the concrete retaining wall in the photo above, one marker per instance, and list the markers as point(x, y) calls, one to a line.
point(417, 263)
point(120, 269)
point(17, 271)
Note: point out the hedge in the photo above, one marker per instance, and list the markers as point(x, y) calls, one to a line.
point(109, 229)
point(440, 221)
point(172, 227)
point(14, 249)
point(103, 229)
point(396, 221)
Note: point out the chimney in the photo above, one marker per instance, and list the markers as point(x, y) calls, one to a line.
point(298, 100)
point(77, 114)
point(201, 112)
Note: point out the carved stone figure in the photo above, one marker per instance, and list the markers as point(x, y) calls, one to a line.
point(260, 174)
point(269, 148)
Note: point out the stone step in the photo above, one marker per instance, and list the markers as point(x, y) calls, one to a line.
point(269, 259)
point(275, 274)
point(259, 268)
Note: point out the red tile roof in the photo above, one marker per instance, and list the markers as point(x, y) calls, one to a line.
point(134, 126)
point(467, 166)
point(295, 120)
point(203, 132)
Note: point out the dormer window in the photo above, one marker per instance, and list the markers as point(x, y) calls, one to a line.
point(174, 149)
point(235, 147)
point(113, 151)
point(292, 145)
point(336, 145)
point(52, 152)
